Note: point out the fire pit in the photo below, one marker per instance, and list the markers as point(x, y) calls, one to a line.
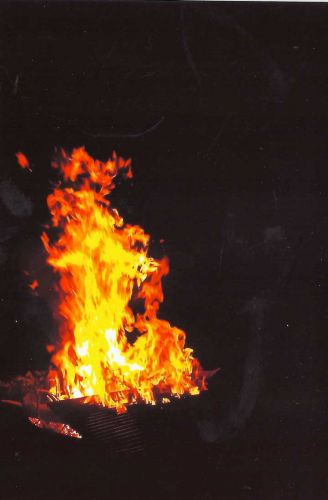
point(141, 429)
point(119, 374)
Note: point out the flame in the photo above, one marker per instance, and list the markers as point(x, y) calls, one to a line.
point(103, 267)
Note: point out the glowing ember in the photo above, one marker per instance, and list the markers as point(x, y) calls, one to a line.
point(23, 161)
point(103, 266)
point(58, 427)
point(34, 285)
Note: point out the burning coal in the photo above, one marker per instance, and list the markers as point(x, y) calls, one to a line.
point(103, 266)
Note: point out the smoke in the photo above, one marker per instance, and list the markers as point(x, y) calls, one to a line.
point(15, 200)
point(211, 431)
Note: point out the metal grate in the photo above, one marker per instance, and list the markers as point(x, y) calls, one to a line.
point(142, 428)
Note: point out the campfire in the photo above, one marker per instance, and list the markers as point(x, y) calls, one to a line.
point(113, 350)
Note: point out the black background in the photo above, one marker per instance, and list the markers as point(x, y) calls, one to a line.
point(223, 109)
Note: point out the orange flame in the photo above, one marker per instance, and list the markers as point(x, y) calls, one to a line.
point(104, 267)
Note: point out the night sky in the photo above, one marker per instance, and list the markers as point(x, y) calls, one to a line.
point(223, 109)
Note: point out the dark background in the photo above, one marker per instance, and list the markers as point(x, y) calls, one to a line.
point(223, 109)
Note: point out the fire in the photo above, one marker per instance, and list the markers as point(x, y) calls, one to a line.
point(104, 267)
